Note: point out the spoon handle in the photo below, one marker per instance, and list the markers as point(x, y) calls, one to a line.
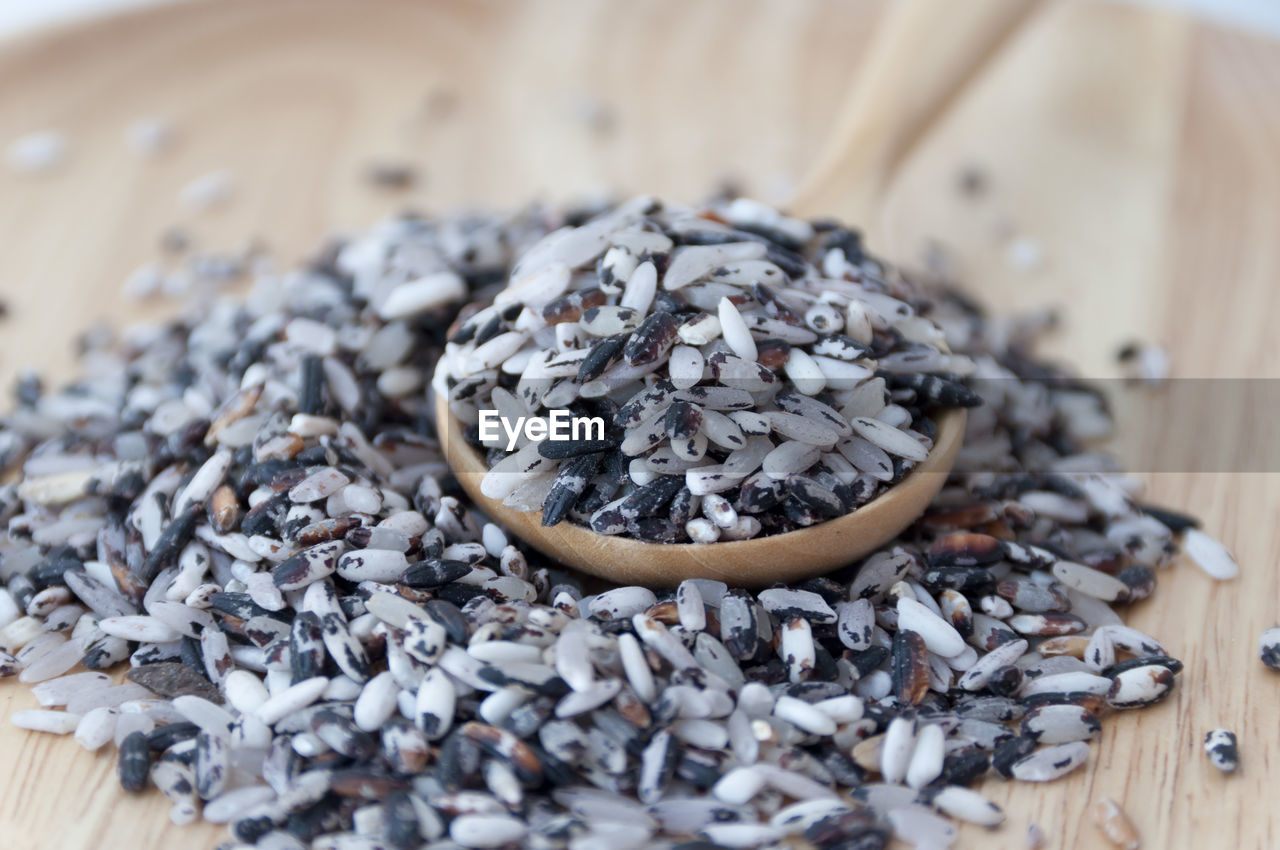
point(923, 55)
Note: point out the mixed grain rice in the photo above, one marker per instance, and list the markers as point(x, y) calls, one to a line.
point(758, 374)
point(1221, 747)
point(37, 152)
point(328, 648)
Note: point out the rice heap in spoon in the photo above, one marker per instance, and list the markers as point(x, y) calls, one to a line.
point(756, 373)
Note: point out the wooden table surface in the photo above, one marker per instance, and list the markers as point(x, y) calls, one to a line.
point(1136, 150)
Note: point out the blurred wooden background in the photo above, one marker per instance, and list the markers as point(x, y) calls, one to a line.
point(1134, 152)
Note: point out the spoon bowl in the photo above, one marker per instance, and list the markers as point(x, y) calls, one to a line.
point(757, 562)
point(924, 55)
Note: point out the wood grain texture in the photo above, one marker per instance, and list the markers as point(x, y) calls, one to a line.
point(1137, 149)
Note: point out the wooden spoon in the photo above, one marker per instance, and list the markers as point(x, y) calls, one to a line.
point(924, 55)
point(742, 563)
point(925, 52)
